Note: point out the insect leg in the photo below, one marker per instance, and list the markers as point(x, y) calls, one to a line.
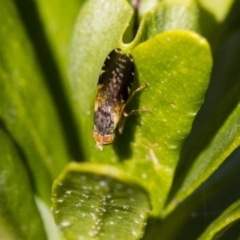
point(136, 110)
point(121, 124)
point(135, 91)
point(125, 115)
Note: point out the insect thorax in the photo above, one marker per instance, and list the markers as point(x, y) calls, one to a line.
point(103, 120)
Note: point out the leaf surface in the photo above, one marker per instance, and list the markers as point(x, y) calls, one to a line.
point(99, 202)
point(16, 196)
point(27, 109)
point(222, 223)
point(169, 62)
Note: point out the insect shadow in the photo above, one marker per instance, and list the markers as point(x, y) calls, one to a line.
point(122, 143)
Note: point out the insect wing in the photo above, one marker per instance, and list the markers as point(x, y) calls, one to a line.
point(117, 74)
point(108, 66)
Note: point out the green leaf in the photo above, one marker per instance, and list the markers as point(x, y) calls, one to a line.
point(7, 232)
point(213, 119)
point(19, 217)
point(222, 98)
point(91, 32)
point(215, 20)
point(218, 8)
point(222, 223)
point(58, 29)
point(178, 81)
point(169, 62)
point(99, 201)
point(168, 15)
point(226, 140)
point(27, 108)
point(146, 6)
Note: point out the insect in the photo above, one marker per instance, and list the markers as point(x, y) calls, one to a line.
point(113, 94)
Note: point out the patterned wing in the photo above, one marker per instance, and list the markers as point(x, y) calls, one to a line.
point(117, 76)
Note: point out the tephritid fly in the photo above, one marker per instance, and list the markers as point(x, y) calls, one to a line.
point(113, 94)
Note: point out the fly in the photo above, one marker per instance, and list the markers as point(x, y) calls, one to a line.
point(113, 95)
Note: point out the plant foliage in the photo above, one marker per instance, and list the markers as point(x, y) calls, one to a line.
point(173, 173)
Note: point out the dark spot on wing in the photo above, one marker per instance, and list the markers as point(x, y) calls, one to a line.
point(117, 75)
